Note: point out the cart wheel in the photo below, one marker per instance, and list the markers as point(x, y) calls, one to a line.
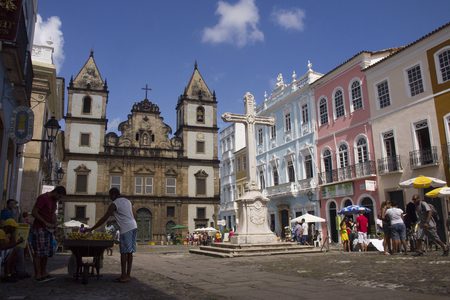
point(72, 266)
point(84, 279)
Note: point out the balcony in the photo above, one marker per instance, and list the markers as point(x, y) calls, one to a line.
point(17, 62)
point(285, 189)
point(306, 184)
point(389, 164)
point(423, 158)
point(351, 172)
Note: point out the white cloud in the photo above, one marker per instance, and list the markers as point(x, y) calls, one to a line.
point(290, 19)
point(238, 24)
point(48, 33)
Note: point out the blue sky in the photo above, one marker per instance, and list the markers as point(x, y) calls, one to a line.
point(240, 45)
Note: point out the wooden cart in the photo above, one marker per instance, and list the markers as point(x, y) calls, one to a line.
point(87, 248)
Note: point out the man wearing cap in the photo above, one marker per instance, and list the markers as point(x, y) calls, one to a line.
point(44, 213)
point(8, 249)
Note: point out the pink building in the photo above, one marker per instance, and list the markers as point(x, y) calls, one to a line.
point(346, 161)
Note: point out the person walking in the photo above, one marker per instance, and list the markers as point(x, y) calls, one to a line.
point(427, 226)
point(122, 210)
point(362, 224)
point(398, 228)
point(386, 227)
point(44, 213)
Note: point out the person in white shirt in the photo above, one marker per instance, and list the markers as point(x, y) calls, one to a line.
point(122, 210)
point(304, 232)
point(398, 228)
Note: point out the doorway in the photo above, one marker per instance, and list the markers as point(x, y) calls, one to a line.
point(332, 211)
point(144, 224)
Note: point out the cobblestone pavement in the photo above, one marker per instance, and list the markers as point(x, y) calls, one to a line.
point(170, 272)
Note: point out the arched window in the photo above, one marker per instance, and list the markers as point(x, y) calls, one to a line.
point(200, 114)
point(145, 139)
point(361, 147)
point(323, 111)
point(87, 105)
point(343, 156)
point(356, 95)
point(339, 104)
point(444, 65)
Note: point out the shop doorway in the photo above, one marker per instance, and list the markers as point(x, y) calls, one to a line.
point(332, 212)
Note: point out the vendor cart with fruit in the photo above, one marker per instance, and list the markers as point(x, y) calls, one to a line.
point(85, 246)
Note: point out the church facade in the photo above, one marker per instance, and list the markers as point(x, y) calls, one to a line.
point(171, 180)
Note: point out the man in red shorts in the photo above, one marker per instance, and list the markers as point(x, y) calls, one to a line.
point(44, 213)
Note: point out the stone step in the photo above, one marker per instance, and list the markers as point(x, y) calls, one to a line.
point(210, 253)
point(253, 251)
point(256, 248)
point(244, 246)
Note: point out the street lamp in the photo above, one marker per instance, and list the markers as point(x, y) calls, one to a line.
point(310, 196)
point(59, 174)
point(51, 129)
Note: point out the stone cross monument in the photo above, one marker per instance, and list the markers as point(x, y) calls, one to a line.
point(253, 227)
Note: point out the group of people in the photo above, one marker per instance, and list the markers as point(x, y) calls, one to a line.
point(415, 225)
point(41, 235)
point(300, 232)
point(354, 234)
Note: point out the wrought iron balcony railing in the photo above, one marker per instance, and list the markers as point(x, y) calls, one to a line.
point(389, 164)
point(358, 170)
point(423, 157)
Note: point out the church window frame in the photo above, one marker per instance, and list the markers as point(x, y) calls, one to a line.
point(81, 179)
point(171, 185)
point(87, 105)
point(200, 115)
point(200, 183)
point(260, 136)
point(143, 185)
point(85, 139)
point(200, 147)
point(115, 181)
point(287, 122)
point(170, 212)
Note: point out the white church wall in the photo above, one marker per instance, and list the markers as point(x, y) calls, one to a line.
point(92, 178)
point(69, 211)
point(208, 138)
point(96, 106)
point(209, 180)
point(192, 214)
point(75, 133)
point(192, 115)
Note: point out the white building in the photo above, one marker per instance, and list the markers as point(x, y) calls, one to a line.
point(231, 140)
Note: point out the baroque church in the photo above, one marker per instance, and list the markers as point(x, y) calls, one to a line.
point(171, 180)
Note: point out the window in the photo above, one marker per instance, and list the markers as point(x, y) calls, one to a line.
point(291, 171)
point(262, 182)
point(308, 166)
point(171, 186)
point(170, 211)
point(415, 82)
point(81, 183)
point(143, 185)
point(275, 176)
point(361, 147)
point(260, 136)
point(383, 94)
point(80, 212)
point(201, 212)
point(244, 163)
point(200, 115)
point(343, 156)
point(200, 147)
point(287, 122)
point(87, 105)
point(444, 65)
point(356, 95)
point(200, 183)
point(115, 181)
point(323, 111)
point(339, 104)
point(85, 139)
point(305, 115)
point(273, 132)
point(328, 165)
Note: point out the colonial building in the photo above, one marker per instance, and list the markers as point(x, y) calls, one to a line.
point(16, 77)
point(286, 152)
point(170, 180)
point(409, 93)
point(231, 140)
point(344, 140)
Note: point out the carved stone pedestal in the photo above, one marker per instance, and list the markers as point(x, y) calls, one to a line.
point(253, 227)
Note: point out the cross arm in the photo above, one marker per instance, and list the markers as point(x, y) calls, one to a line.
point(230, 117)
point(265, 121)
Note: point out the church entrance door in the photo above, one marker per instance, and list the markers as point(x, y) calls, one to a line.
point(144, 223)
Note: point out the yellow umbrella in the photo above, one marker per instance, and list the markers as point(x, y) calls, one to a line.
point(436, 192)
point(422, 182)
point(442, 191)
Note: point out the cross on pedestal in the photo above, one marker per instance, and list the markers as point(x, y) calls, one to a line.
point(249, 119)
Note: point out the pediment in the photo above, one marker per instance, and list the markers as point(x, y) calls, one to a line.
point(82, 169)
point(144, 170)
point(171, 172)
point(201, 174)
point(115, 169)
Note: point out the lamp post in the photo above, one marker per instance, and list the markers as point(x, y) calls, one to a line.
point(51, 129)
point(310, 196)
